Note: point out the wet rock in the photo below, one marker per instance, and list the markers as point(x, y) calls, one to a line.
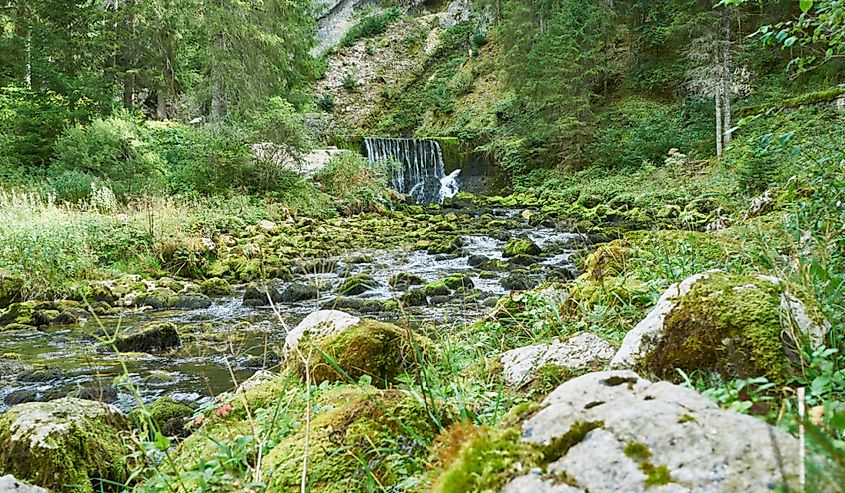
point(10, 365)
point(192, 302)
point(20, 396)
point(299, 292)
point(524, 260)
point(19, 313)
point(357, 346)
point(438, 300)
point(518, 281)
point(41, 374)
point(8, 484)
point(438, 288)
point(414, 297)
point(728, 323)
point(585, 350)
point(257, 296)
point(64, 442)
point(149, 338)
point(448, 245)
point(521, 246)
point(216, 287)
point(157, 299)
point(100, 393)
point(476, 260)
point(358, 259)
point(459, 281)
point(405, 280)
point(358, 284)
point(614, 431)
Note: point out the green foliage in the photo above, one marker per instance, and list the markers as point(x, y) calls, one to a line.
point(637, 131)
point(350, 81)
point(326, 102)
point(358, 184)
point(371, 25)
point(116, 150)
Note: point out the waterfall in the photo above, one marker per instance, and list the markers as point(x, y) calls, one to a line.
point(420, 172)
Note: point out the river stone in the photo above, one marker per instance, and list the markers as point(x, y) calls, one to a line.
point(521, 246)
point(63, 442)
point(721, 322)
point(323, 323)
point(358, 284)
point(149, 338)
point(404, 280)
point(518, 281)
point(298, 291)
point(585, 350)
point(619, 429)
point(256, 295)
point(8, 484)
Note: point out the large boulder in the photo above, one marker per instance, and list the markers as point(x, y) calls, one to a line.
point(64, 445)
point(614, 431)
point(8, 484)
point(585, 350)
point(149, 338)
point(736, 325)
point(521, 246)
point(357, 284)
point(354, 345)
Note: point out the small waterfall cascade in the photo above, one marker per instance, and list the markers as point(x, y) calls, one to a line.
point(420, 172)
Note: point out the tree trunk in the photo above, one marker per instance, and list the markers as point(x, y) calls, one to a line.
point(161, 105)
point(719, 123)
point(726, 74)
point(23, 31)
point(129, 90)
point(218, 90)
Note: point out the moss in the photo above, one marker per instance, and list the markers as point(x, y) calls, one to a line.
point(216, 287)
point(521, 246)
point(637, 451)
point(170, 415)
point(727, 323)
point(377, 349)
point(608, 260)
point(686, 418)
point(458, 281)
point(357, 284)
point(19, 313)
point(78, 448)
point(487, 462)
point(655, 475)
point(561, 445)
point(355, 444)
point(438, 288)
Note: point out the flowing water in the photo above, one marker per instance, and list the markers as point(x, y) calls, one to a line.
point(421, 171)
point(230, 339)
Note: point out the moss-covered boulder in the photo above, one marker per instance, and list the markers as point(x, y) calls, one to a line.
point(348, 347)
point(736, 325)
point(216, 287)
point(19, 313)
point(352, 445)
point(521, 246)
point(148, 338)
point(405, 280)
point(64, 445)
point(458, 281)
point(357, 284)
point(447, 245)
point(169, 416)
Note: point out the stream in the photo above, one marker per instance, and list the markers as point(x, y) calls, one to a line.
point(230, 341)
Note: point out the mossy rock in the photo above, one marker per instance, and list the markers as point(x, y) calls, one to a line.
point(216, 287)
point(169, 416)
point(64, 445)
point(379, 350)
point(404, 280)
point(351, 445)
point(459, 281)
point(157, 299)
point(448, 245)
point(608, 260)
point(357, 284)
point(438, 288)
point(19, 313)
point(521, 246)
point(151, 337)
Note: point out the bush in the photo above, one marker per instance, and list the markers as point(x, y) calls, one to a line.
point(371, 25)
point(637, 131)
point(358, 184)
point(350, 81)
point(115, 150)
point(74, 186)
point(326, 102)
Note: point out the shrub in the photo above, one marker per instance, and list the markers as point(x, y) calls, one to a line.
point(358, 184)
point(116, 150)
point(30, 124)
point(74, 186)
point(637, 131)
point(326, 102)
point(371, 25)
point(350, 81)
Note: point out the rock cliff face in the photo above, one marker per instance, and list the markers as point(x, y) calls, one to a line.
point(335, 17)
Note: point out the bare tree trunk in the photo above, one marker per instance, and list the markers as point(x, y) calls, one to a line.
point(129, 90)
point(218, 91)
point(161, 105)
point(25, 33)
point(719, 123)
point(726, 74)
